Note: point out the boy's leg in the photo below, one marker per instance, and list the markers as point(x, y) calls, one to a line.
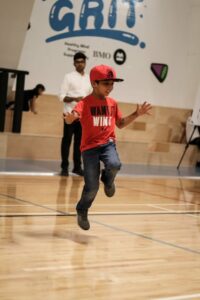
point(91, 164)
point(112, 164)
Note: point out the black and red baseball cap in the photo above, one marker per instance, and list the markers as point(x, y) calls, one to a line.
point(103, 72)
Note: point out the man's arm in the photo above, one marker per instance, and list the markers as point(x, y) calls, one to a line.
point(70, 117)
point(141, 110)
point(71, 99)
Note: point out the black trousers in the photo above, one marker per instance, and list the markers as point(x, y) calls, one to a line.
point(69, 131)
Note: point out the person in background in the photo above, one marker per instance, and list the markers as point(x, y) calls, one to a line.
point(98, 114)
point(75, 86)
point(29, 99)
point(195, 137)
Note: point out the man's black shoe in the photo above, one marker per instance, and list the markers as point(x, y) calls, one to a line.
point(198, 164)
point(83, 220)
point(78, 172)
point(64, 173)
point(109, 190)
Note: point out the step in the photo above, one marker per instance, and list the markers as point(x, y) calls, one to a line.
point(165, 124)
point(157, 153)
point(35, 147)
point(51, 124)
point(144, 132)
point(42, 124)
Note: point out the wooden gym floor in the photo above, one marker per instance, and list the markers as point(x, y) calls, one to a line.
point(144, 243)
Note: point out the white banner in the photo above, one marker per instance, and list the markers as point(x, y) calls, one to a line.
point(129, 35)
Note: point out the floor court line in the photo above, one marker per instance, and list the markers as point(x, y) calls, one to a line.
point(148, 193)
point(130, 204)
point(99, 205)
point(184, 297)
point(66, 213)
point(115, 228)
point(158, 195)
point(173, 187)
point(29, 173)
point(34, 204)
point(69, 214)
point(170, 210)
point(162, 176)
point(18, 215)
point(29, 203)
point(146, 237)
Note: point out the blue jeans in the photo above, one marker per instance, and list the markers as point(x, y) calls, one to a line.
point(91, 160)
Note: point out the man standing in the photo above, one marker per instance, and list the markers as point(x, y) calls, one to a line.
point(75, 86)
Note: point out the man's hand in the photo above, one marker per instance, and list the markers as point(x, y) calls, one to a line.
point(143, 109)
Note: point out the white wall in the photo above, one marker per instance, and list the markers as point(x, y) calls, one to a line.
point(193, 77)
point(170, 29)
point(14, 19)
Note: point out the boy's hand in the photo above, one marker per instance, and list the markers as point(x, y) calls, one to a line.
point(70, 117)
point(143, 109)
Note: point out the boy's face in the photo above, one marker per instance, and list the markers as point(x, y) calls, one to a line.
point(103, 88)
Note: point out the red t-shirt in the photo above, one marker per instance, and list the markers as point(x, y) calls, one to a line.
point(98, 118)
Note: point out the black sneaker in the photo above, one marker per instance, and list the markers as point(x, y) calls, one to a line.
point(64, 173)
point(78, 172)
point(198, 164)
point(108, 189)
point(83, 220)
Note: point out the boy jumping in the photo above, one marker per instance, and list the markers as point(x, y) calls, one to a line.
point(98, 114)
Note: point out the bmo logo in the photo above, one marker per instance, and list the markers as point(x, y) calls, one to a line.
point(119, 56)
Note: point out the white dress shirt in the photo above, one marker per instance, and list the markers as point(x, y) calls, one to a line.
point(74, 85)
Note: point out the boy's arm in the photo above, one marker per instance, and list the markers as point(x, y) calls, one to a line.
point(71, 117)
point(141, 110)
